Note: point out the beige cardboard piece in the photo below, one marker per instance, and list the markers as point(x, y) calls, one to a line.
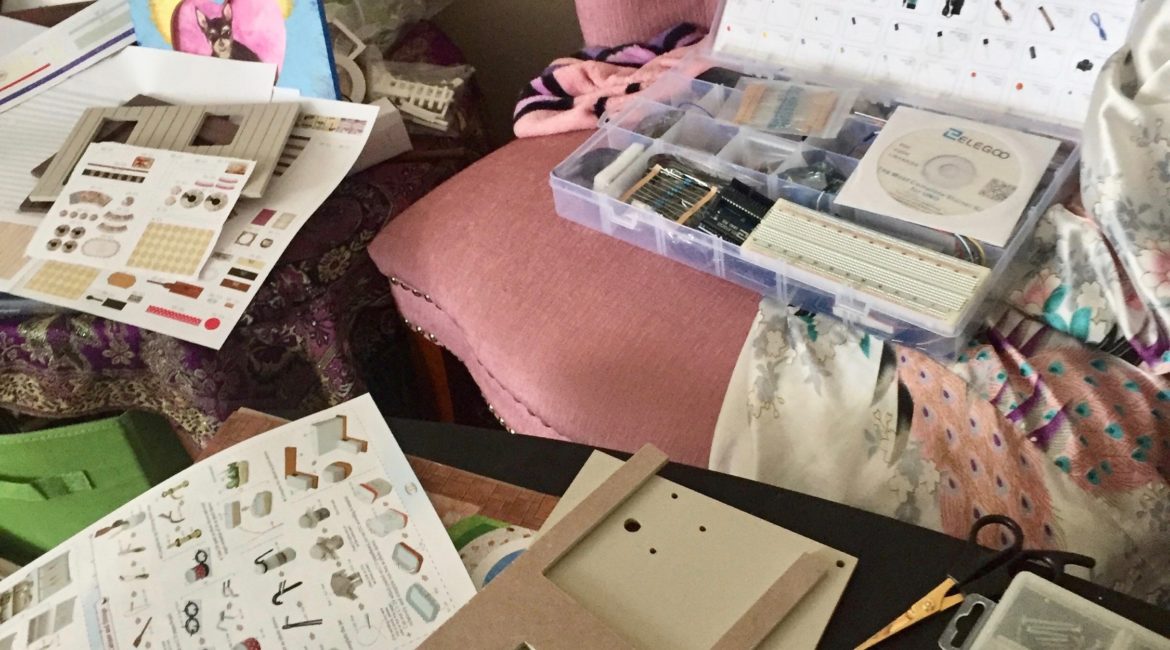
point(592, 581)
point(261, 136)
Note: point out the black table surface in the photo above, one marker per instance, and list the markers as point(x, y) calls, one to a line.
point(898, 563)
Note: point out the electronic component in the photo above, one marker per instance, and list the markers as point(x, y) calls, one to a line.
point(611, 177)
point(916, 278)
point(734, 213)
point(673, 192)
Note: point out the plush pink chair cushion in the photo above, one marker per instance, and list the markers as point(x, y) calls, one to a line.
point(613, 22)
point(569, 333)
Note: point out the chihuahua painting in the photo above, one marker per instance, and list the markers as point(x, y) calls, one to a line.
point(287, 34)
point(219, 34)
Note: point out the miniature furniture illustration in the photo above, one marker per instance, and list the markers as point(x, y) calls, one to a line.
point(295, 478)
point(334, 433)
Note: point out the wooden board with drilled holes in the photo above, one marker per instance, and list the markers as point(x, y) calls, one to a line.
point(592, 581)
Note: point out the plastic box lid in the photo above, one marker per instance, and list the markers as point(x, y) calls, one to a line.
point(1035, 614)
point(1038, 60)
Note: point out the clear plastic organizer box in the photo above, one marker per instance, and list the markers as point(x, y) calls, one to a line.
point(1037, 614)
point(687, 118)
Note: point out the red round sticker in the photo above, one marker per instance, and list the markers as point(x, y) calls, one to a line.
point(211, 323)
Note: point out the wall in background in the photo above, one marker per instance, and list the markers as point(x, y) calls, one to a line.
point(509, 42)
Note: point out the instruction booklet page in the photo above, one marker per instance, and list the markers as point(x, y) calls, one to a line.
point(315, 535)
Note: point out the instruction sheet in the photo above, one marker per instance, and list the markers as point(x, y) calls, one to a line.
point(149, 209)
point(315, 535)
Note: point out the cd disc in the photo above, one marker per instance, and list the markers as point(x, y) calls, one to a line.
point(950, 172)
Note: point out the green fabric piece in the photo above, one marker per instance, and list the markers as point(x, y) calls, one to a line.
point(46, 487)
point(54, 483)
point(467, 529)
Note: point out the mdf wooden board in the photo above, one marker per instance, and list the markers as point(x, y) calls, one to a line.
point(711, 563)
point(630, 560)
point(260, 135)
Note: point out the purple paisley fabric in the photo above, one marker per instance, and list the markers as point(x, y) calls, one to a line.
point(323, 314)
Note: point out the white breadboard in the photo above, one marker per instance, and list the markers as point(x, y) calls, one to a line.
point(882, 266)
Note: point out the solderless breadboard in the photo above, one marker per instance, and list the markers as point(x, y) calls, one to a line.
point(907, 275)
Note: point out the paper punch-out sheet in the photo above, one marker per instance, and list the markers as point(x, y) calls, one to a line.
point(145, 209)
point(313, 535)
point(324, 143)
point(36, 129)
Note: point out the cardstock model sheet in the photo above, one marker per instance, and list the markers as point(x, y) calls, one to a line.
point(313, 535)
point(323, 145)
point(144, 209)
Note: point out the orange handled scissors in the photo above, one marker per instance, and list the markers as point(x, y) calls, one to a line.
point(976, 573)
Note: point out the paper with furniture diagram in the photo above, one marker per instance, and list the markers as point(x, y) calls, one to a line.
point(314, 535)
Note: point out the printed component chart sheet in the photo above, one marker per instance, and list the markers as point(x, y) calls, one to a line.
point(316, 535)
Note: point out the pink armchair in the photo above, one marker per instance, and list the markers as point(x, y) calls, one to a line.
point(568, 333)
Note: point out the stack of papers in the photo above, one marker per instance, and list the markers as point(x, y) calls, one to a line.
point(174, 268)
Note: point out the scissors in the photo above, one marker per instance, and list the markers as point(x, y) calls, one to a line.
point(975, 573)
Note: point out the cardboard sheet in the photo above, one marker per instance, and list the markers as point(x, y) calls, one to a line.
point(240, 553)
point(630, 560)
